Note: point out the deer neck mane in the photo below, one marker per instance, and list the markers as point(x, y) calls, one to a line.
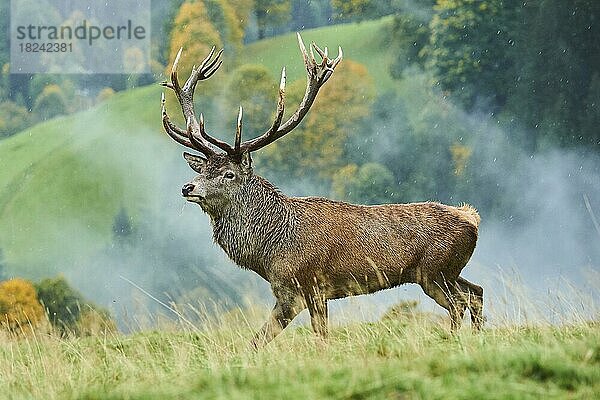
point(257, 223)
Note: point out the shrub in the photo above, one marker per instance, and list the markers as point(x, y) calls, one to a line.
point(19, 305)
point(105, 94)
point(69, 312)
point(61, 302)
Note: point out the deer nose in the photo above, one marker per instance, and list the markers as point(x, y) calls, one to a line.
point(187, 189)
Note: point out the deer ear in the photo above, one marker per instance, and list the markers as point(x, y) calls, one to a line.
point(246, 161)
point(195, 162)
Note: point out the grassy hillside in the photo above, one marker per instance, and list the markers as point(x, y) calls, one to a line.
point(396, 359)
point(360, 42)
point(63, 181)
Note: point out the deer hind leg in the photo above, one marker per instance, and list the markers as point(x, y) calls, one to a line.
point(474, 296)
point(287, 306)
point(445, 294)
point(317, 307)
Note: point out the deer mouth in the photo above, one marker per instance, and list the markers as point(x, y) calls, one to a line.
point(194, 198)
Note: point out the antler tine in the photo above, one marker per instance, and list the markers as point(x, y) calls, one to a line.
point(207, 69)
point(195, 136)
point(174, 79)
point(317, 75)
point(238, 132)
point(204, 71)
point(303, 50)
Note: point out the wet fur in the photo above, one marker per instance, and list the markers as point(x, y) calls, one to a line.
point(314, 249)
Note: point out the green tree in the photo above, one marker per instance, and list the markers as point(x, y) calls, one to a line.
point(13, 118)
point(122, 227)
point(270, 14)
point(558, 52)
point(530, 63)
point(590, 118)
point(61, 302)
point(310, 14)
point(359, 10)
point(50, 103)
point(371, 183)
point(253, 87)
point(409, 34)
point(469, 51)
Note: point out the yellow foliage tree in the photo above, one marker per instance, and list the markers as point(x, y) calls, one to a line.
point(194, 32)
point(317, 145)
point(230, 19)
point(19, 305)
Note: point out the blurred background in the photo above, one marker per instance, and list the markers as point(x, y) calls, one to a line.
point(492, 103)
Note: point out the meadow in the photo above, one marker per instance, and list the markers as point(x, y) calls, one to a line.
point(405, 356)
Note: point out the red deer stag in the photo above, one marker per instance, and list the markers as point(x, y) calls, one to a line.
point(312, 249)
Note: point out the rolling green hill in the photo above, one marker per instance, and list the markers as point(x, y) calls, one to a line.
point(63, 181)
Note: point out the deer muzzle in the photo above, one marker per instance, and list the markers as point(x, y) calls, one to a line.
point(187, 189)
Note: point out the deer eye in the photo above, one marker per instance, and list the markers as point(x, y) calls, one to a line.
point(229, 175)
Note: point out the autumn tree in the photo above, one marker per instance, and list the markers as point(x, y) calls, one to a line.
point(20, 309)
point(192, 30)
point(317, 145)
point(230, 19)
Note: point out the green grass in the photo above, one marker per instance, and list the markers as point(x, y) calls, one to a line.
point(361, 42)
point(63, 181)
point(397, 359)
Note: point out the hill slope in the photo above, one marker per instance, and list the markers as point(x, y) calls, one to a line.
point(63, 181)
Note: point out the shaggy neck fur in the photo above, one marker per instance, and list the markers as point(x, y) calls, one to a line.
point(256, 225)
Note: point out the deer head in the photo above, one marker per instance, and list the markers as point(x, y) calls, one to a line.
point(224, 169)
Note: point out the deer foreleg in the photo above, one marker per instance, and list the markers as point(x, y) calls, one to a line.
point(285, 310)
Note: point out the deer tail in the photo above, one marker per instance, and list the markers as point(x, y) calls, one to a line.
point(470, 214)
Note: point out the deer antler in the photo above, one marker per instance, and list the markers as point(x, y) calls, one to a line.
point(195, 135)
point(317, 75)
